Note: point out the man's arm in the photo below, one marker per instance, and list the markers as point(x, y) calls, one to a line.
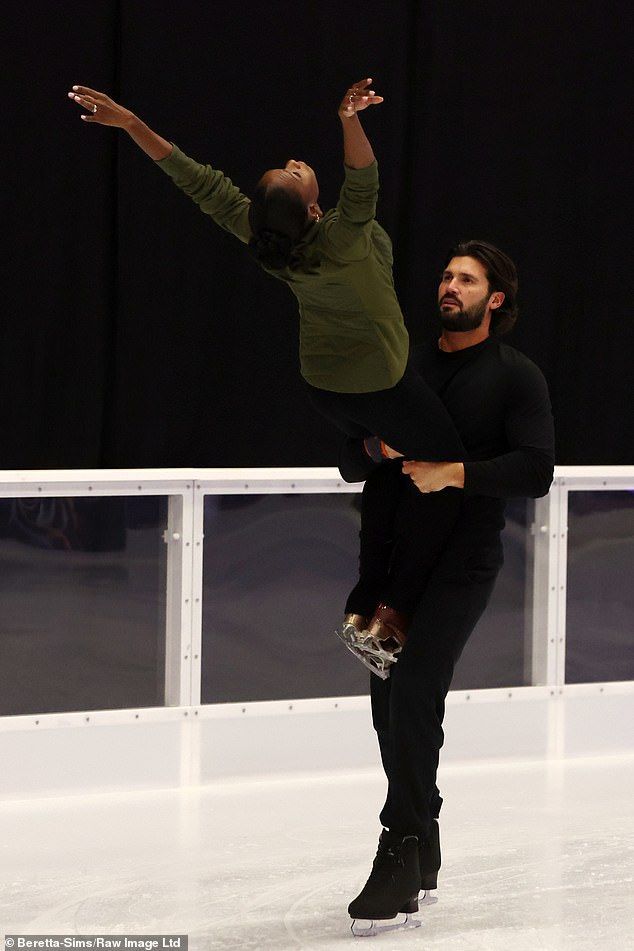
point(526, 469)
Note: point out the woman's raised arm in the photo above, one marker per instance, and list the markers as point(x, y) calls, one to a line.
point(357, 151)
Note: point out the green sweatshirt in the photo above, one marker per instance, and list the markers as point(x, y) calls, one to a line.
point(352, 333)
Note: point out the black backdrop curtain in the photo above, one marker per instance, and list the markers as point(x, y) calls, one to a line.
point(135, 333)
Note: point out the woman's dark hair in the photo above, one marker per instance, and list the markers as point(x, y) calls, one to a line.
point(278, 220)
point(502, 276)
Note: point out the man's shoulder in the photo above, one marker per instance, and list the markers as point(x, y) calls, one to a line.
point(524, 378)
point(515, 358)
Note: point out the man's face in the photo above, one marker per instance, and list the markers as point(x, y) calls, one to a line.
point(463, 294)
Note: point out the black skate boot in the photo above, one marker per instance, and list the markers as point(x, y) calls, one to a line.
point(429, 861)
point(392, 888)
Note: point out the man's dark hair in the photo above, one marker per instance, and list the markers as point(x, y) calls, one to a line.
point(502, 276)
point(277, 217)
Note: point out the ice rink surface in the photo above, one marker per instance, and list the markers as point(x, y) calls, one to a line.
point(537, 856)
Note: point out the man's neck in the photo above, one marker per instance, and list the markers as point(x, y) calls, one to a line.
point(451, 341)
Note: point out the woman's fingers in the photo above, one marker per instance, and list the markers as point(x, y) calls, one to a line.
point(99, 107)
point(360, 96)
point(356, 102)
point(86, 102)
point(85, 91)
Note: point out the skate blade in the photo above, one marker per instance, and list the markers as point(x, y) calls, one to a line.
point(371, 655)
point(367, 928)
point(368, 663)
point(428, 897)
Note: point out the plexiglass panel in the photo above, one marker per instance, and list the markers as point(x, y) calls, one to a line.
point(600, 592)
point(495, 655)
point(82, 603)
point(277, 570)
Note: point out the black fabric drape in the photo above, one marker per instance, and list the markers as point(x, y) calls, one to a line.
point(135, 333)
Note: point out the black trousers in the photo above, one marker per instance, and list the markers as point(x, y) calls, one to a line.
point(408, 708)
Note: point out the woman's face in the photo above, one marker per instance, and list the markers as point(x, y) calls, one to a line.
point(297, 176)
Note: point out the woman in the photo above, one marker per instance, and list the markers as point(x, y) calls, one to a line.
point(353, 340)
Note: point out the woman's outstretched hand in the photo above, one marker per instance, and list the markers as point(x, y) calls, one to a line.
point(358, 97)
point(105, 111)
point(100, 108)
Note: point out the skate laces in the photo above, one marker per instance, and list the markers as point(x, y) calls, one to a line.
point(387, 856)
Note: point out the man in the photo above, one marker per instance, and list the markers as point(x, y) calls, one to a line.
point(498, 400)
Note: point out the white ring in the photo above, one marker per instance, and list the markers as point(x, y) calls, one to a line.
point(94, 109)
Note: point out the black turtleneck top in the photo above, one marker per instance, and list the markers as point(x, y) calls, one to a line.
point(499, 402)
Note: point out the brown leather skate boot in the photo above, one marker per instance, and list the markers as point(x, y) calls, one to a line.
point(390, 627)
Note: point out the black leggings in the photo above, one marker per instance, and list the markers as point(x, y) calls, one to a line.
point(402, 535)
point(402, 530)
point(409, 417)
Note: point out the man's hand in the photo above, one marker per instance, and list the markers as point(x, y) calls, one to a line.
point(435, 476)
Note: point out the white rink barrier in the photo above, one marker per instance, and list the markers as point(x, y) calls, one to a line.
point(186, 743)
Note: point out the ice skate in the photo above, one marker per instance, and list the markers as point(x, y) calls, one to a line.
point(376, 643)
point(429, 861)
point(368, 928)
point(390, 628)
point(365, 647)
point(389, 898)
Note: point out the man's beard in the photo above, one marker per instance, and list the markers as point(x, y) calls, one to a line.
point(468, 319)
